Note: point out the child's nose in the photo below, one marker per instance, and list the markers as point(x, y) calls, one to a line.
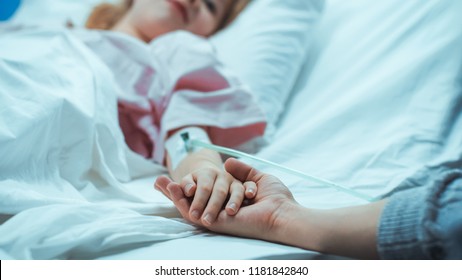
point(194, 6)
point(195, 3)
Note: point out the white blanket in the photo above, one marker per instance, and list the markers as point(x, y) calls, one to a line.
point(63, 157)
point(379, 99)
point(380, 96)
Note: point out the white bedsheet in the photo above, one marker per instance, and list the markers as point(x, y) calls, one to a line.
point(376, 104)
point(63, 158)
point(379, 98)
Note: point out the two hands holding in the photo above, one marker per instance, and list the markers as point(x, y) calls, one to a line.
point(216, 200)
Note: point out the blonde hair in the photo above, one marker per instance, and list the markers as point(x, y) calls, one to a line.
point(105, 16)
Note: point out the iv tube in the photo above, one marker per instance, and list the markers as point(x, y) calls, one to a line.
point(190, 143)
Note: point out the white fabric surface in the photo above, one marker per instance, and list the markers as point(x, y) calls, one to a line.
point(380, 96)
point(267, 46)
point(63, 157)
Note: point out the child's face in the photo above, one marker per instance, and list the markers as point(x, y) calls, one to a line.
point(152, 18)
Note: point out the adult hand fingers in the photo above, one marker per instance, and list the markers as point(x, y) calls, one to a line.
point(161, 184)
point(242, 171)
point(179, 199)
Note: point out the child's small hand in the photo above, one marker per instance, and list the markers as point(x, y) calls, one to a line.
point(208, 190)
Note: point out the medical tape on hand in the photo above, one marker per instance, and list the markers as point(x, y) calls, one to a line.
point(177, 148)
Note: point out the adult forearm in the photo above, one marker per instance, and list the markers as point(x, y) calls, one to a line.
point(351, 231)
point(347, 232)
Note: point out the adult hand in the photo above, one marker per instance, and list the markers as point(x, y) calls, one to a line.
point(273, 215)
point(259, 219)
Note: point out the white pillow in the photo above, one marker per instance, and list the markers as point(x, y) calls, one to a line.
point(266, 47)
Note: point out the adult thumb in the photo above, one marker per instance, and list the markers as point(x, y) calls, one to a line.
point(242, 171)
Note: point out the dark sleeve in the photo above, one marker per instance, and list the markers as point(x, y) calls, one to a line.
point(424, 222)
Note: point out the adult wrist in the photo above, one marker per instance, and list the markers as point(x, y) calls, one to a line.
point(312, 229)
point(296, 225)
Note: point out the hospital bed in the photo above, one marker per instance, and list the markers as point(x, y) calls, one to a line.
point(362, 93)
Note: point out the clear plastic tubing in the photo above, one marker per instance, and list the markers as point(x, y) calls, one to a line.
point(234, 153)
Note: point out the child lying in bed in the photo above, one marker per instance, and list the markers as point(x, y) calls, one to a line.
point(172, 83)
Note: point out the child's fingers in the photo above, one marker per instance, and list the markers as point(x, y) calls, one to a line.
point(204, 187)
point(188, 185)
point(161, 184)
point(250, 189)
point(217, 200)
point(179, 199)
point(236, 198)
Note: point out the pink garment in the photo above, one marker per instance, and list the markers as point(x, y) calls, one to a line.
point(174, 82)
